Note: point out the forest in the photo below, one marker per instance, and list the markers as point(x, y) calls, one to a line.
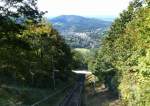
point(31, 50)
point(123, 60)
point(35, 60)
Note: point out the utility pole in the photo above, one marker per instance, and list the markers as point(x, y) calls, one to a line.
point(53, 76)
point(54, 79)
point(94, 84)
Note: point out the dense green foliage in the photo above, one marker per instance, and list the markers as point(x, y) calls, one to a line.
point(123, 60)
point(30, 49)
point(80, 56)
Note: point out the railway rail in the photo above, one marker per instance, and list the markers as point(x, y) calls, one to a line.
point(74, 96)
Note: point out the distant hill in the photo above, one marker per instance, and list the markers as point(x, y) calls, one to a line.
point(78, 23)
point(80, 32)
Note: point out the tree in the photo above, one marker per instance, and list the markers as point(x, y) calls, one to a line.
point(123, 55)
point(30, 48)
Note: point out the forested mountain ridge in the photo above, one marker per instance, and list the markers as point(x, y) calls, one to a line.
point(80, 32)
point(78, 23)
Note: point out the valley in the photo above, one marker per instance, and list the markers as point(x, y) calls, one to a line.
point(81, 32)
point(73, 60)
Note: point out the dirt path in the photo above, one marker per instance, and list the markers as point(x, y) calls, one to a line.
point(101, 97)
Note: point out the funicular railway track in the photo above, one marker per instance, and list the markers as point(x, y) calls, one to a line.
point(74, 96)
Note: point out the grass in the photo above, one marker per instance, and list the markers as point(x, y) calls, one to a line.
point(25, 96)
point(83, 50)
point(55, 100)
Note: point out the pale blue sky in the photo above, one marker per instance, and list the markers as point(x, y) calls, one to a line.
point(91, 8)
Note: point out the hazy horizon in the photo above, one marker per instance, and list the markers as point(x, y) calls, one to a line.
point(82, 16)
point(90, 8)
point(105, 18)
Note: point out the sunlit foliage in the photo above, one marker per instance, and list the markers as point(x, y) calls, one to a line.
point(123, 59)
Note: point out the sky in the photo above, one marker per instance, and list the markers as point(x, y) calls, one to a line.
point(89, 8)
